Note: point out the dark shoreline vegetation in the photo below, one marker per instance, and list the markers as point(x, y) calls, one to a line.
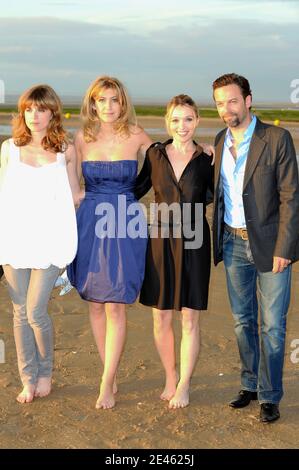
point(291, 115)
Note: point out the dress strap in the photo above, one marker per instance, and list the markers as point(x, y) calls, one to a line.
point(60, 156)
point(14, 152)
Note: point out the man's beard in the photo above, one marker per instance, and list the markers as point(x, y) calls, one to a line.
point(232, 121)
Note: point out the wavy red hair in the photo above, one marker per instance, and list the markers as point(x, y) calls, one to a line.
point(44, 97)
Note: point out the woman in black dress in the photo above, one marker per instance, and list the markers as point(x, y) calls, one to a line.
point(177, 266)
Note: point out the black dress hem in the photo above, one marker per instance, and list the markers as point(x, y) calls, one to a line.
point(178, 309)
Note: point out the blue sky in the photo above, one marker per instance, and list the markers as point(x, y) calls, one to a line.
point(157, 48)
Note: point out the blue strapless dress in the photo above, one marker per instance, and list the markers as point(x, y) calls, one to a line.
point(109, 265)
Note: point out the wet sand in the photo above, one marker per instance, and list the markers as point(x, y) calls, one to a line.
point(67, 418)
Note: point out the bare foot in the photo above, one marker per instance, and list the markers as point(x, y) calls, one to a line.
point(27, 394)
point(106, 398)
point(170, 387)
point(181, 397)
point(43, 387)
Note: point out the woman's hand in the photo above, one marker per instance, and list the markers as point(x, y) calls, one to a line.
point(209, 150)
point(78, 198)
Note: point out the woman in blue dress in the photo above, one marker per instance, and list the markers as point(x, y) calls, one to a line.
point(109, 266)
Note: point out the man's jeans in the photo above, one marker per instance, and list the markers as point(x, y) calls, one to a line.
point(261, 360)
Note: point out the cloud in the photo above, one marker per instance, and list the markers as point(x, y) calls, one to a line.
point(144, 14)
point(63, 4)
point(158, 64)
point(15, 49)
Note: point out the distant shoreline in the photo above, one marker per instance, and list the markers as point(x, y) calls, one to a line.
point(281, 114)
point(155, 126)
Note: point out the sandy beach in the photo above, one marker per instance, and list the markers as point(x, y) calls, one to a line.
point(67, 418)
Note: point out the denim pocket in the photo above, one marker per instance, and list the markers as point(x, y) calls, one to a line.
point(226, 236)
point(249, 253)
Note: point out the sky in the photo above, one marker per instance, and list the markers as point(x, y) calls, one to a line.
point(157, 48)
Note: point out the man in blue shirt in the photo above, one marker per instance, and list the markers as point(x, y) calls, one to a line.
point(256, 233)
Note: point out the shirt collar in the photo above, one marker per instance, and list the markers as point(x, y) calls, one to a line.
point(247, 134)
point(197, 151)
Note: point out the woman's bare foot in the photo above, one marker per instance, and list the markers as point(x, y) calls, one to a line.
point(43, 387)
point(27, 394)
point(170, 387)
point(106, 398)
point(181, 397)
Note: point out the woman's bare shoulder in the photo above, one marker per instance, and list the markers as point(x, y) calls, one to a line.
point(70, 148)
point(136, 130)
point(79, 137)
point(139, 134)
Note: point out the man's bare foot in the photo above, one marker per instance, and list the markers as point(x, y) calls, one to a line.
point(43, 387)
point(27, 394)
point(170, 387)
point(181, 397)
point(106, 398)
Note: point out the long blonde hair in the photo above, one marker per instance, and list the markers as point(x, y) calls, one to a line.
point(91, 122)
point(44, 97)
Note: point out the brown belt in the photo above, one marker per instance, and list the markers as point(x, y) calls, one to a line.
point(240, 232)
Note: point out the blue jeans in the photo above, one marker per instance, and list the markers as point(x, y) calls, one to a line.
point(261, 358)
point(30, 291)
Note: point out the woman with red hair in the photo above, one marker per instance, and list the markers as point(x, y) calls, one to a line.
point(38, 233)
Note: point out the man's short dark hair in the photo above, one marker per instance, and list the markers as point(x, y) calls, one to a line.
point(233, 79)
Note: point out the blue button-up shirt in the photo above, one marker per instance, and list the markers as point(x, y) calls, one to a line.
point(232, 175)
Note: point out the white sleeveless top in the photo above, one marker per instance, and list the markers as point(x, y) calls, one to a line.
point(37, 215)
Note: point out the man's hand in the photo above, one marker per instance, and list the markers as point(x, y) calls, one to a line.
point(279, 264)
point(209, 150)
